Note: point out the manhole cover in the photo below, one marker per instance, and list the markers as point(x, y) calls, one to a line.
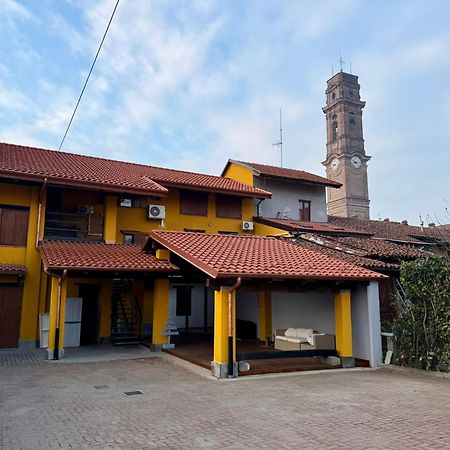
point(133, 392)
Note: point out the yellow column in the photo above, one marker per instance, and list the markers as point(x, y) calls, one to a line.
point(54, 285)
point(221, 326)
point(30, 301)
point(265, 314)
point(160, 312)
point(110, 224)
point(343, 318)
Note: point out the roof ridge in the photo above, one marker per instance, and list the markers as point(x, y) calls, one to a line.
point(101, 158)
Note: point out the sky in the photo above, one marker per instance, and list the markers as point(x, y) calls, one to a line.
point(189, 84)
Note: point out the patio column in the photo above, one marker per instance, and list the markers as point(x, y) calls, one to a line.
point(54, 300)
point(265, 314)
point(160, 313)
point(110, 224)
point(343, 318)
point(219, 365)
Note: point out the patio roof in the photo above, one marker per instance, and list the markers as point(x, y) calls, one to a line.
point(12, 269)
point(100, 257)
point(226, 256)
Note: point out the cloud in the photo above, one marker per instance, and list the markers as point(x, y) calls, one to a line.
point(13, 9)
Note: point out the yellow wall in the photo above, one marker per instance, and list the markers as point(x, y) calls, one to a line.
point(239, 173)
point(266, 230)
point(135, 219)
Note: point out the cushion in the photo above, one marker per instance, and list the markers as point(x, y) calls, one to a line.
point(291, 332)
point(292, 339)
point(304, 332)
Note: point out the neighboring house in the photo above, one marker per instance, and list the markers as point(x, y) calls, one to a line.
point(377, 245)
point(77, 266)
point(296, 194)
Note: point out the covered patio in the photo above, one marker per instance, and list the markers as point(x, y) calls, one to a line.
point(277, 286)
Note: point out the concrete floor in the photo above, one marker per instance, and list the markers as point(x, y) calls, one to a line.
point(82, 405)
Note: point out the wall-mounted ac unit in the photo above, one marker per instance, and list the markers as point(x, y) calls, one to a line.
point(247, 226)
point(85, 210)
point(156, 212)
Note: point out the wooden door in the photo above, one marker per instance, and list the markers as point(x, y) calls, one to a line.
point(10, 311)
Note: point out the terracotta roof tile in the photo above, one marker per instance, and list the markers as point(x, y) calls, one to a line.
point(298, 226)
point(224, 256)
point(117, 176)
point(12, 269)
point(384, 229)
point(99, 256)
point(291, 174)
point(353, 257)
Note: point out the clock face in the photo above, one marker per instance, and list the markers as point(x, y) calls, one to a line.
point(356, 162)
point(334, 164)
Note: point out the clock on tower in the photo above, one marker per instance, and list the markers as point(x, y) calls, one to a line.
point(346, 160)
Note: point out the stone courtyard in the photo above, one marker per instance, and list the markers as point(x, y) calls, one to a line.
point(83, 405)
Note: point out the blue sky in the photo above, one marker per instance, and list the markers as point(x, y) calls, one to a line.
point(190, 84)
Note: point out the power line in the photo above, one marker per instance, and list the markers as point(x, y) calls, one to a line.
point(89, 75)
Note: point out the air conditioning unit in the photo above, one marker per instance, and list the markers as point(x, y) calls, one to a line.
point(247, 226)
point(85, 210)
point(156, 212)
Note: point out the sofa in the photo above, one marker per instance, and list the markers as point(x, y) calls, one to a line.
point(303, 339)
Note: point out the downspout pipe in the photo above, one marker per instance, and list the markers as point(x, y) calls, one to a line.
point(41, 197)
point(230, 325)
point(257, 207)
point(61, 279)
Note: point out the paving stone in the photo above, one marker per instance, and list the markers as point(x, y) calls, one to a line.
point(58, 406)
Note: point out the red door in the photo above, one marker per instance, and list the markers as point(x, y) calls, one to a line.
point(10, 310)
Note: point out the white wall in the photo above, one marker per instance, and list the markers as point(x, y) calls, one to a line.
point(285, 196)
point(196, 317)
point(303, 310)
point(366, 326)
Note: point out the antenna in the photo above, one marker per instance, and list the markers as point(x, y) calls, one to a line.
point(341, 61)
point(279, 144)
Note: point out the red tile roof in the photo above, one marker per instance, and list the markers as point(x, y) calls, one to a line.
point(353, 257)
point(12, 269)
point(99, 256)
point(393, 231)
point(113, 176)
point(225, 256)
point(298, 226)
point(290, 174)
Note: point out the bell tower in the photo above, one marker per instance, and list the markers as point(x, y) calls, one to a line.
point(346, 160)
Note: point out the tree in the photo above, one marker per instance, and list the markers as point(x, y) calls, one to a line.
point(422, 326)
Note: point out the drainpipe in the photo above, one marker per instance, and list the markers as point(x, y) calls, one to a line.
point(41, 196)
point(257, 206)
point(230, 325)
point(61, 279)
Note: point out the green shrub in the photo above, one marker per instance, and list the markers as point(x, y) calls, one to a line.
point(422, 326)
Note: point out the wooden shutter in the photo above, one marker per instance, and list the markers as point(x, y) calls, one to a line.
point(13, 226)
point(10, 311)
point(194, 203)
point(228, 206)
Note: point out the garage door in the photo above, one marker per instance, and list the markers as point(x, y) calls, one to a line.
point(10, 309)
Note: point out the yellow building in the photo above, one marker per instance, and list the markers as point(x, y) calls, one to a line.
point(86, 204)
point(94, 250)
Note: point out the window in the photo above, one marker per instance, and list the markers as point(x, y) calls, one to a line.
point(228, 206)
point(13, 225)
point(184, 300)
point(305, 210)
point(335, 131)
point(193, 203)
point(134, 238)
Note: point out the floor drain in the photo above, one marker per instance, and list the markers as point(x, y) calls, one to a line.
point(101, 386)
point(133, 392)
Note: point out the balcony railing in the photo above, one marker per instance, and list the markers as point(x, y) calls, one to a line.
point(85, 227)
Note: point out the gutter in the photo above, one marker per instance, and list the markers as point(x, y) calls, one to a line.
point(230, 325)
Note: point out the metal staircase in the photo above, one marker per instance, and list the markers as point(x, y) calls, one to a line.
point(126, 315)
